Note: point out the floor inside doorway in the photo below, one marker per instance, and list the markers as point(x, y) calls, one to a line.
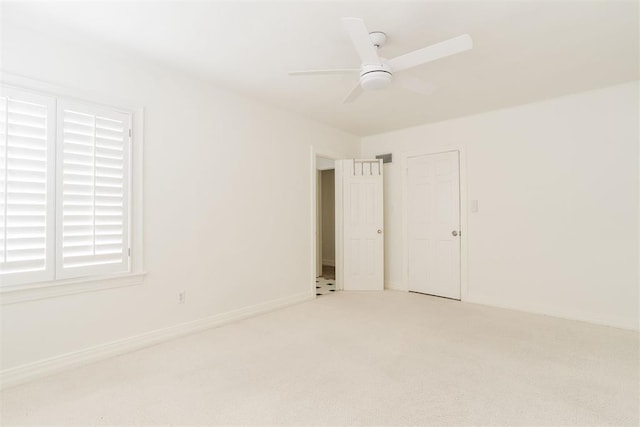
point(326, 284)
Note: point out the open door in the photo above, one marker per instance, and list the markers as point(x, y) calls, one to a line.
point(359, 209)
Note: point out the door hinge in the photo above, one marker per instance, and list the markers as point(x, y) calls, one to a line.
point(130, 133)
point(129, 251)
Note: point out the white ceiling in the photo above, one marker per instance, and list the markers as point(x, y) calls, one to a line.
point(524, 51)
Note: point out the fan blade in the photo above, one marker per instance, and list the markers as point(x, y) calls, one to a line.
point(361, 40)
point(355, 93)
point(414, 84)
point(431, 53)
point(328, 71)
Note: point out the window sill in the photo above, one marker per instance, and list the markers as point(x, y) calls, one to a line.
point(22, 293)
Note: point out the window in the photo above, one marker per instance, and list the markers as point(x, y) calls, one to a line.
point(64, 189)
point(92, 191)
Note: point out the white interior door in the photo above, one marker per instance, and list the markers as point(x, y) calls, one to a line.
point(362, 220)
point(433, 224)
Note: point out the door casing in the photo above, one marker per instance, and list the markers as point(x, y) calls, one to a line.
point(318, 223)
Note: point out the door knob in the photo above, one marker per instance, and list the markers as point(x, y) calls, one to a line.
point(379, 231)
point(454, 233)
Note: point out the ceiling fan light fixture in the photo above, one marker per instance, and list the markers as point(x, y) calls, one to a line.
point(375, 77)
point(375, 80)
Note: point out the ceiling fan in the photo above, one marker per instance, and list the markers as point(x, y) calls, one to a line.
point(377, 72)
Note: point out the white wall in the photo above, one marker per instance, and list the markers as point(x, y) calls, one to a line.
point(557, 185)
point(328, 217)
point(226, 198)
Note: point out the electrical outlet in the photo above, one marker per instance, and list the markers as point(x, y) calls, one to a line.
point(182, 297)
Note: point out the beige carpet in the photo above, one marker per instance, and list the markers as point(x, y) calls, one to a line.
point(357, 358)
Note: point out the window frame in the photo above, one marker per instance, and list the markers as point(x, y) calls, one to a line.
point(14, 293)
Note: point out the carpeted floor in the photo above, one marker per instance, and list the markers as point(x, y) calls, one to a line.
point(356, 358)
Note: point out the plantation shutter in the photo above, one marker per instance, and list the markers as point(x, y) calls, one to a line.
point(93, 190)
point(27, 154)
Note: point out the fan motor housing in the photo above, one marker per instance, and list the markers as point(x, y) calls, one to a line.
point(375, 77)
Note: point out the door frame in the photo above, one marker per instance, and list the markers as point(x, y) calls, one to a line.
point(318, 234)
point(314, 219)
point(464, 226)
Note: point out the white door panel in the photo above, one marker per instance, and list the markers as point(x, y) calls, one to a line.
point(363, 257)
point(433, 217)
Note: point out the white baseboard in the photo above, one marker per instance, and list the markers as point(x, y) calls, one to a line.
point(579, 315)
point(31, 371)
point(329, 262)
point(560, 312)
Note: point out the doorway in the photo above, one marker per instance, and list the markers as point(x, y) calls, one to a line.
point(326, 231)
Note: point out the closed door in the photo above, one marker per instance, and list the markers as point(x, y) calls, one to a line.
point(433, 224)
point(362, 222)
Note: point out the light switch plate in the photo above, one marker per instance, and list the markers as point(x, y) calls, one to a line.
point(474, 206)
